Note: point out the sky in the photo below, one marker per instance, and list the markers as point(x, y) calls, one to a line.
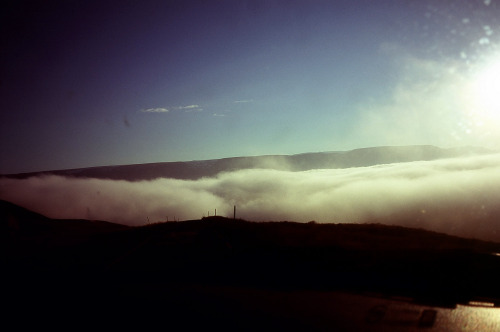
point(91, 83)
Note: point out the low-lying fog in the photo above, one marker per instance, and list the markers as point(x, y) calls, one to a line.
point(459, 196)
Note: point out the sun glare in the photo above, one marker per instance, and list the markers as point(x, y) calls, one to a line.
point(486, 92)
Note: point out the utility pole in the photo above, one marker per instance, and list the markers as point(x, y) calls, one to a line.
point(234, 212)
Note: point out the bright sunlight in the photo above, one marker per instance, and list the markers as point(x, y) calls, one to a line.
point(486, 92)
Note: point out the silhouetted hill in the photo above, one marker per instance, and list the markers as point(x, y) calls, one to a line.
point(298, 162)
point(23, 227)
point(235, 251)
point(172, 269)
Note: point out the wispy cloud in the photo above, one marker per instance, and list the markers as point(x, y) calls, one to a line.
point(243, 101)
point(221, 113)
point(154, 110)
point(189, 107)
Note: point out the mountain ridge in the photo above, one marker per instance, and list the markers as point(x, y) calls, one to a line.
point(196, 169)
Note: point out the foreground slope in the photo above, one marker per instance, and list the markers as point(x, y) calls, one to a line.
point(235, 274)
point(278, 255)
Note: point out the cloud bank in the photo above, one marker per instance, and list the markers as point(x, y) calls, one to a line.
point(459, 196)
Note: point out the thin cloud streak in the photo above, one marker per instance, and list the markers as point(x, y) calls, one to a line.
point(154, 110)
point(189, 107)
point(243, 101)
point(458, 196)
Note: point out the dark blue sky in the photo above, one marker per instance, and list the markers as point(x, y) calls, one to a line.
point(88, 83)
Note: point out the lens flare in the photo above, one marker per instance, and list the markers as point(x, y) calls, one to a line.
point(486, 93)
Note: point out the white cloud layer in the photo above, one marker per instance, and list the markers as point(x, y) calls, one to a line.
point(459, 196)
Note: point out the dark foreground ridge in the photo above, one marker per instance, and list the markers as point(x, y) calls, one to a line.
point(187, 273)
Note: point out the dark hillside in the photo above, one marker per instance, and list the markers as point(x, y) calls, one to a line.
point(20, 221)
point(28, 234)
point(172, 267)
